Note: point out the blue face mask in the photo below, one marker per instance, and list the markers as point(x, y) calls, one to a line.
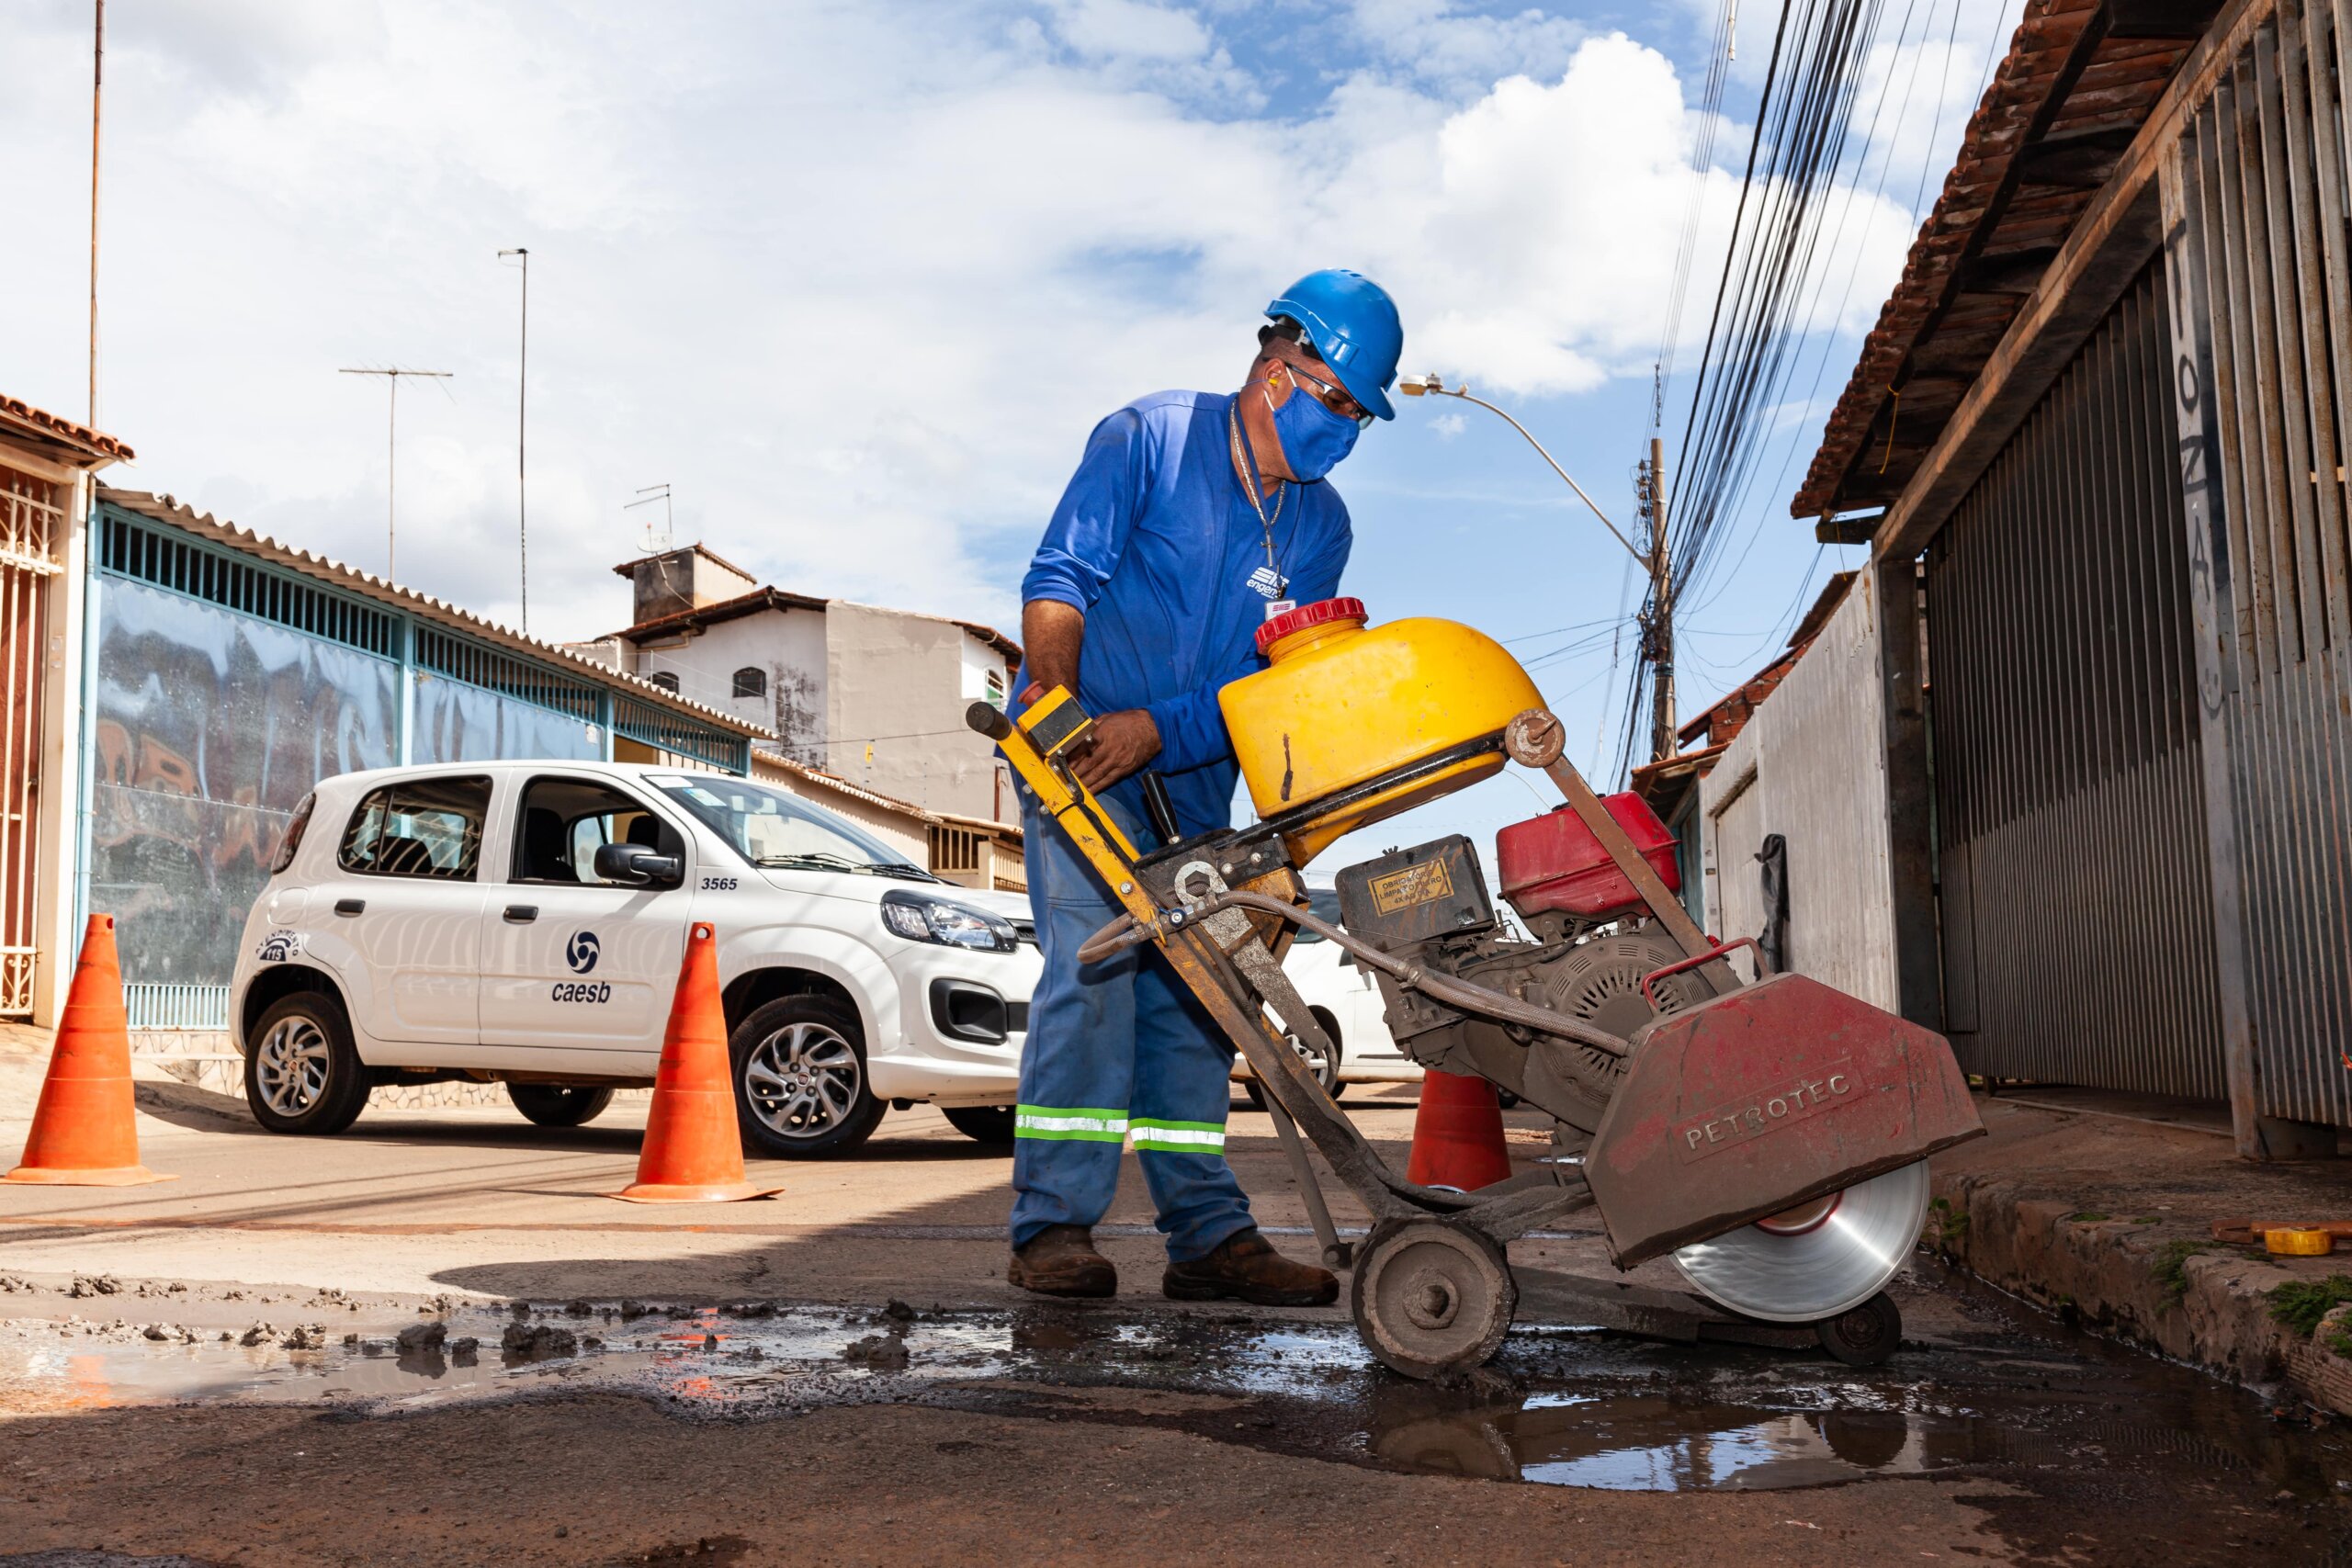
point(1314, 439)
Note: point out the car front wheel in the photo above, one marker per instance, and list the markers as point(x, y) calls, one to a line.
point(303, 1074)
point(801, 1087)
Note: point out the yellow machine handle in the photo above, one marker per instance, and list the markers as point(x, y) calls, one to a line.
point(1039, 746)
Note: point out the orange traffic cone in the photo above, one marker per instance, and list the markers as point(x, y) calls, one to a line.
point(1457, 1135)
point(82, 1134)
point(693, 1150)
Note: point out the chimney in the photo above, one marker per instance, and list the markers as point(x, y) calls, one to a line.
point(680, 579)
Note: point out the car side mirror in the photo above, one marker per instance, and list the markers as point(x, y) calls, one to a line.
point(639, 865)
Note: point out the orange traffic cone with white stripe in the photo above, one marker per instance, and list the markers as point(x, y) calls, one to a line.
point(693, 1148)
point(84, 1132)
point(1457, 1135)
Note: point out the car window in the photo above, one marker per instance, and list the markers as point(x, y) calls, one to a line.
point(1324, 904)
point(564, 821)
point(429, 828)
point(767, 827)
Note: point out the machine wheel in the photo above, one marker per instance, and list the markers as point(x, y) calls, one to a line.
point(559, 1104)
point(1432, 1296)
point(981, 1124)
point(1863, 1335)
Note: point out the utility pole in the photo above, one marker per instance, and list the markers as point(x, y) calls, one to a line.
point(1661, 627)
point(391, 452)
point(97, 83)
point(522, 396)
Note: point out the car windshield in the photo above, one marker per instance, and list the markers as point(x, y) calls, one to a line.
point(1323, 902)
point(769, 828)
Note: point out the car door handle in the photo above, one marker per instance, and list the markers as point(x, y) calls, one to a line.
point(350, 906)
point(522, 914)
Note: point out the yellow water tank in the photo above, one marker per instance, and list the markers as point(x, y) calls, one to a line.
point(1339, 705)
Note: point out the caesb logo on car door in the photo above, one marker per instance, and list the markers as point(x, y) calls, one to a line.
point(581, 954)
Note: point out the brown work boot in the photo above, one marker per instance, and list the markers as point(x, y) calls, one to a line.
point(1060, 1260)
point(1245, 1267)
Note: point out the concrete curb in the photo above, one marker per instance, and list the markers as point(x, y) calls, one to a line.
point(2196, 1301)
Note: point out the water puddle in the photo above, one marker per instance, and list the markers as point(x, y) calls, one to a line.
point(1562, 1406)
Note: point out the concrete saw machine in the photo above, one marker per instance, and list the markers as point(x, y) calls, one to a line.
point(1769, 1136)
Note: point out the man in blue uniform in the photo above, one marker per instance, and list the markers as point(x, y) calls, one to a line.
point(1194, 518)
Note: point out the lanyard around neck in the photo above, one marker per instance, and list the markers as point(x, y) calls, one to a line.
point(1247, 461)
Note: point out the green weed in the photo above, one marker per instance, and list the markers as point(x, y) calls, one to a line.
point(2301, 1303)
point(2172, 1267)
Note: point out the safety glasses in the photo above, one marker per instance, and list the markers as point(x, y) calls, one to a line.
point(1331, 394)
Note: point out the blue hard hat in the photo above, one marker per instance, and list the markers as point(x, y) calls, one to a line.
point(1353, 326)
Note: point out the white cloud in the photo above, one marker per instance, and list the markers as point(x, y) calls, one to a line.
point(1439, 41)
point(856, 280)
point(1105, 29)
point(1446, 426)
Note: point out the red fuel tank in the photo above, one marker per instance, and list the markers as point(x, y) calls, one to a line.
point(1553, 862)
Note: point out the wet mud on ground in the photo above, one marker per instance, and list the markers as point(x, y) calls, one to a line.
point(238, 1425)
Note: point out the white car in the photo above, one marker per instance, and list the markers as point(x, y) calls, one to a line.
point(522, 922)
point(1346, 1001)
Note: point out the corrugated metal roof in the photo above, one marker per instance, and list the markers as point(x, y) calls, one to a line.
point(167, 509)
point(2064, 104)
point(48, 426)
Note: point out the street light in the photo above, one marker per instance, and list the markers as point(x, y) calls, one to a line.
point(1659, 625)
point(1432, 385)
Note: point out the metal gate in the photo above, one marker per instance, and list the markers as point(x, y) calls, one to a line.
point(2256, 208)
point(32, 527)
point(2075, 888)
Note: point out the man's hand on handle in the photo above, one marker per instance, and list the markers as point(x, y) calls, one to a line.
point(1122, 744)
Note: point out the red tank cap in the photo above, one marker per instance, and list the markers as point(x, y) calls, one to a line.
point(1321, 613)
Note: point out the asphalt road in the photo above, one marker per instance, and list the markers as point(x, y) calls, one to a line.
point(208, 1367)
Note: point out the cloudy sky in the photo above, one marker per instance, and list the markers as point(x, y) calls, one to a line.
point(855, 278)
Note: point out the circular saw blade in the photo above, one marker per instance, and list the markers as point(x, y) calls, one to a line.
point(1816, 1260)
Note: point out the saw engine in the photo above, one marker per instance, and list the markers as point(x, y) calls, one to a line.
point(1591, 950)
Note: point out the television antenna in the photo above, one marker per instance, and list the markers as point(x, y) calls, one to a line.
point(392, 452)
point(655, 544)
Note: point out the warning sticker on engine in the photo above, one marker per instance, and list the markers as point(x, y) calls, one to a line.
point(1423, 884)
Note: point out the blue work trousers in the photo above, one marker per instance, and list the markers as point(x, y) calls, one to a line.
point(1116, 1050)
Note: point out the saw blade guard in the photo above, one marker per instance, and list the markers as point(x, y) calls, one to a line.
point(1763, 1099)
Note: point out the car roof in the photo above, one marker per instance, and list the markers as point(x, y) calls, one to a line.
point(507, 765)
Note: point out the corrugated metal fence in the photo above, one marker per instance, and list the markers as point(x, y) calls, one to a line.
point(2076, 898)
point(2256, 205)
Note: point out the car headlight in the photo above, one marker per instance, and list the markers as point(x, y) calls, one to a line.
point(921, 919)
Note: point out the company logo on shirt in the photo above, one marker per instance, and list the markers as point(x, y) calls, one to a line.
point(1269, 582)
point(582, 952)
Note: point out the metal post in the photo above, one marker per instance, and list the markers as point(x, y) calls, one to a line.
point(1662, 743)
point(98, 82)
point(522, 405)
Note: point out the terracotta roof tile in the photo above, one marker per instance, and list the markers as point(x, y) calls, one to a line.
point(93, 442)
point(1997, 220)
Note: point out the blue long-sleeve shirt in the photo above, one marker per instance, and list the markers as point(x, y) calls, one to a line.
point(1156, 541)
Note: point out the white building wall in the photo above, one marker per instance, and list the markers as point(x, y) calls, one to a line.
point(1811, 766)
point(894, 690)
point(786, 645)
